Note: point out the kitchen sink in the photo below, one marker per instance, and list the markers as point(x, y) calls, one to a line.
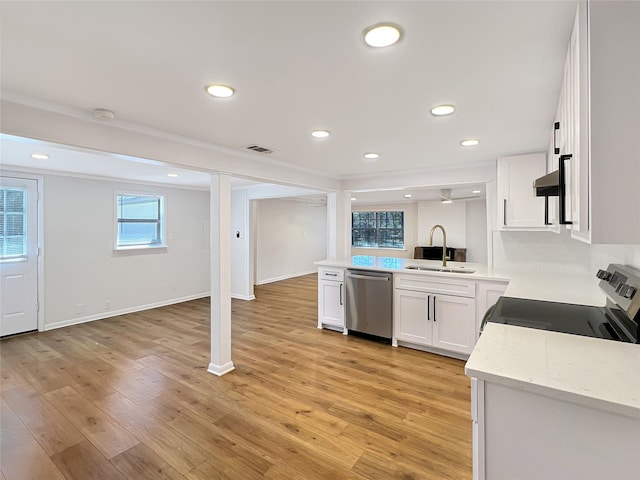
point(440, 269)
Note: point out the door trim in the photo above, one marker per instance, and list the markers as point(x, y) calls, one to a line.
point(40, 238)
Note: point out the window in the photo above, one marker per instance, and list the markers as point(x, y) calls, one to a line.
point(377, 229)
point(13, 224)
point(140, 220)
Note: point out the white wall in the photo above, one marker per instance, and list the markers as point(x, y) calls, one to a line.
point(241, 240)
point(476, 231)
point(290, 236)
point(81, 267)
point(452, 216)
point(410, 229)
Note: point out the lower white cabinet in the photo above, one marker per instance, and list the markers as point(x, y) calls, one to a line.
point(522, 435)
point(487, 295)
point(446, 322)
point(331, 296)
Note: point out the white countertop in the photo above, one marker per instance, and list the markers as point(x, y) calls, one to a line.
point(593, 372)
point(588, 371)
point(565, 287)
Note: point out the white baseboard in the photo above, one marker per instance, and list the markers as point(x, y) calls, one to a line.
point(124, 311)
point(243, 297)
point(284, 277)
point(220, 370)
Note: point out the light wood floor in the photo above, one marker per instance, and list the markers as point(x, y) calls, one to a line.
point(130, 398)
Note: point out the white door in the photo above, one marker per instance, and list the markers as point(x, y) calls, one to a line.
point(18, 255)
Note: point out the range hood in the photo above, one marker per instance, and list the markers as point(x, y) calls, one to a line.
point(549, 185)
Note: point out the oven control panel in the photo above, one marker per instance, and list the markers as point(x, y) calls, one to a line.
point(621, 284)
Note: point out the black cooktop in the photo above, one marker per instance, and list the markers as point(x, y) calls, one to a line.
point(557, 317)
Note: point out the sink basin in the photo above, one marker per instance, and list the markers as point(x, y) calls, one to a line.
point(440, 269)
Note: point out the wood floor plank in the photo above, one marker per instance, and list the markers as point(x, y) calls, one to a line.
point(178, 450)
point(52, 431)
point(102, 431)
point(9, 378)
point(29, 462)
point(84, 461)
point(13, 433)
point(141, 463)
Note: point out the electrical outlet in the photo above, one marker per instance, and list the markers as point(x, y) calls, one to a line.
point(79, 308)
point(107, 304)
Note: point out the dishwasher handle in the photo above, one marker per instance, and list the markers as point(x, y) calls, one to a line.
point(367, 277)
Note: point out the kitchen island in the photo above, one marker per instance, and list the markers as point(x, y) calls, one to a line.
point(435, 311)
point(463, 297)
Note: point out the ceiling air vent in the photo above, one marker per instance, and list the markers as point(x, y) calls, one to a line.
point(259, 149)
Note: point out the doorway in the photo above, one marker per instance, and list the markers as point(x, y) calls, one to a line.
point(18, 255)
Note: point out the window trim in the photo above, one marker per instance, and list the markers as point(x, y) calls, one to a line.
point(162, 227)
point(376, 211)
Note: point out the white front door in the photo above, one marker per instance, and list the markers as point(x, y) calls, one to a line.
point(18, 255)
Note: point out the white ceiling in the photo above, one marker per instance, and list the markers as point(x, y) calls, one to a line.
point(299, 66)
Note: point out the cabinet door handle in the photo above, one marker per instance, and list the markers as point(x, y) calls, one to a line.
point(504, 212)
point(434, 308)
point(428, 307)
point(546, 211)
point(341, 293)
point(562, 190)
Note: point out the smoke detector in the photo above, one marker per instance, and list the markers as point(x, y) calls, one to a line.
point(104, 114)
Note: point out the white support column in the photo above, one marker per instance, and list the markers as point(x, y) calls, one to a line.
point(338, 225)
point(220, 197)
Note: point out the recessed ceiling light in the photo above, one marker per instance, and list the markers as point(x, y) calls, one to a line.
point(443, 110)
point(382, 35)
point(39, 156)
point(353, 199)
point(371, 156)
point(407, 195)
point(471, 142)
point(476, 191)
point(320, 133)
point(172, 175)
point(219, 91)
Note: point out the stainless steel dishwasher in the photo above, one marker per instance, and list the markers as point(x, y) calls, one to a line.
point(369, 299)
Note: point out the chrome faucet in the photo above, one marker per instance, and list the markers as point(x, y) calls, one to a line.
point(444, 242)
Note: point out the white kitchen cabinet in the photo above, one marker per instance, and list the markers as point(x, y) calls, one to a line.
point(600, 123)
point(523, 435)
point(331, 296)
point(518, 206)
point(488, 294)
point(426, 315)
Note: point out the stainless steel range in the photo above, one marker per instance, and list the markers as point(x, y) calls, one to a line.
point(619, 320)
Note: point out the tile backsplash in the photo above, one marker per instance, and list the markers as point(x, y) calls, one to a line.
point(540, 252)
point(603, 255)
point(552, 252)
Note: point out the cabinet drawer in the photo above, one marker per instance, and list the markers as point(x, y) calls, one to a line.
point(325, 273)
point(431, 284)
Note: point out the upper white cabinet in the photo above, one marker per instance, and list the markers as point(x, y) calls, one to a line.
point(599, 115)
point(518, 206)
